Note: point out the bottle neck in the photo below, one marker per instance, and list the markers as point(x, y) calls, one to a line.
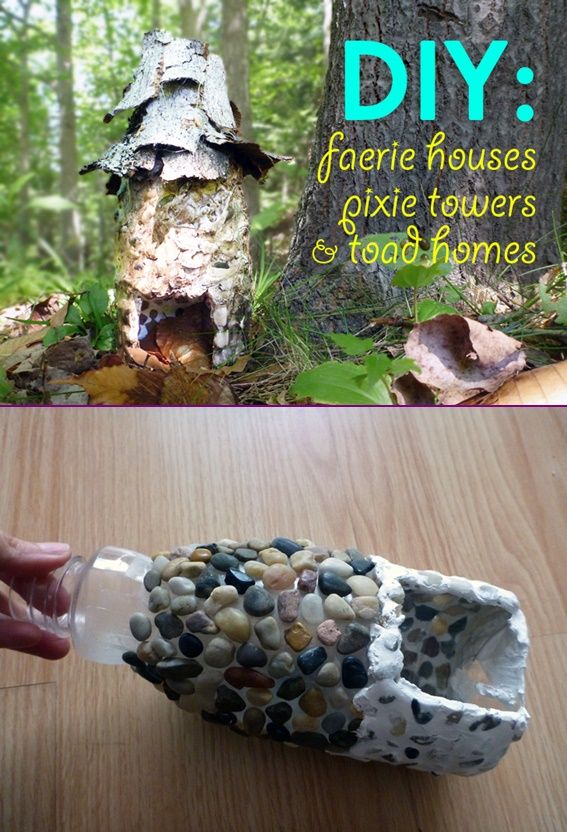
point(50, 600)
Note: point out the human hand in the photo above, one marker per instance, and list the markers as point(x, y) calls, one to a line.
point(25, 562)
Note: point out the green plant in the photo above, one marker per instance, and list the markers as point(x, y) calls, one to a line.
point(263, 285)
point(89, 313)
point(7, 389)
point(417, 276)
point(345, 382)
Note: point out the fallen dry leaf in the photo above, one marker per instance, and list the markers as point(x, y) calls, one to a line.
point(121, 385)
point(546, 385)
point(460, 357)
point(181, 386)
point(409, 390)
point(74, 355)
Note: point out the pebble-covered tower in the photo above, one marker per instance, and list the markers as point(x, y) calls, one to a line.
point(336, 651)
point(183, 226)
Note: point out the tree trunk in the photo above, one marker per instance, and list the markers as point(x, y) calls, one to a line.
point(156, 14)
point(24, 105)
point(234, 50)
point(403, 25)
point(70, 221)
point(193, 16)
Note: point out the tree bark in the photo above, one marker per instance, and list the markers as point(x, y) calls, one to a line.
point(71, 246)
point(234, 50)
point(403, 25)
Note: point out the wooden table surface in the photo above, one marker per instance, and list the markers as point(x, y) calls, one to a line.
point(472, 492)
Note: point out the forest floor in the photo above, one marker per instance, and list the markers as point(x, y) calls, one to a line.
point(436, 343)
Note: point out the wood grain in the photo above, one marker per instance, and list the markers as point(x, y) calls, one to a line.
point(471, 492)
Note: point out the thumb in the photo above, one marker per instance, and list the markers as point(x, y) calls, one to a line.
point(24, 559)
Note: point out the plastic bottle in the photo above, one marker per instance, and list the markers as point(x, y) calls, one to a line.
point(89, 601)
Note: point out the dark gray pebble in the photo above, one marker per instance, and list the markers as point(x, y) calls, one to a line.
point(353, 673)
point(330, 583)
point(150, 675)
point(152, 579)
point(343, 739)
point(253, 721)
point(179, 668)
point(354, 637)
point(170, 626)
point(257, 601)
point(311, 659)
point(244, 554)
point(240, 580)
point(171, 694)
point(285, 545)
point(279, 713)
point(457, 626)
point(430, 647)
point(291, 688)
point(227, 699)
point(249, 655)
point(425, 613)
point(333, 722)
point(425, 669)
point(277, 732)
point(190, 645)
point(205, 585)
point(411, 753)
point(354, 724)
point(361, 566)
point(420, 716)
point(224, 562)
point(212, 547)
point(132, 659)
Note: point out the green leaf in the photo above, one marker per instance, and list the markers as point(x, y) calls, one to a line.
point(376, 367)
point(488, 307)
point(351, 344)
point(6, 386)
point(381, 240)
point(73, 316)
point(416, 276)
point(428, 309)
point(339, 383)
point(53, 202)
point(53, 336)
point(105, 340)
point(403, 365)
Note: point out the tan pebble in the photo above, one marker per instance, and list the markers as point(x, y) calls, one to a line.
point(278, 577)
point(338, 566)
point(329, 675)
point(256, 696)
point(361, 585)
point(319, 554)
point(211, 607)
point(356, 711)
point(303, 541)
point(255, 569)
point(313, 702)
point(337, 607)
point(161, 555)
point(302, 560)
point(172, 569)
point(192, 569)
point(298, 636)
point(366, 606)
point(398, 728)
point(439, 625)
point(271, 556)
point(258, 544)
point(234, 623)
point(304, 722)
point(340, 554)
point(228, 543)
point(338, 697)
point(201, 555)
point(224, 595)
point(206, 686)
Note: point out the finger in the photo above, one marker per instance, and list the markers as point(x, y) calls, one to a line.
point(27, 638)
point(19, 557)
point(42, 593)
